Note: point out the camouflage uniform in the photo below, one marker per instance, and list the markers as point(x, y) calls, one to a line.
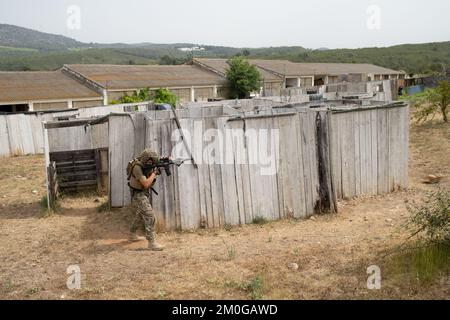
point(140, 199)
point(144, 212)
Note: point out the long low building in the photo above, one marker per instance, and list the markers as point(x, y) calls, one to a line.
point(289, 74)
point(190, 83)
point(38, 91)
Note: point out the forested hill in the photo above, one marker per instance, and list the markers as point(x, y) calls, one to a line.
point(18, 37)
point(26, 49)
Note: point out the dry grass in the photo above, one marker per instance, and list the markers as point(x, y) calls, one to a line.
point(250, 262)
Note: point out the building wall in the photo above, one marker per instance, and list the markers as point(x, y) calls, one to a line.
point(222, 92)
point(184, 95)
point(272, 89)
point(50, 106)
point(87, 104)
point(203, 94)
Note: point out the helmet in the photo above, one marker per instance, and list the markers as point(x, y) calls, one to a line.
point(148, 155)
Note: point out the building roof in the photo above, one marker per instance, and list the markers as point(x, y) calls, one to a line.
point(221, 65)
point(269, 69)
point(36, 85)
point(287, 68)
point(130, 77)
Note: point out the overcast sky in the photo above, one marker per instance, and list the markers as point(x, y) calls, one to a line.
point(238, 23)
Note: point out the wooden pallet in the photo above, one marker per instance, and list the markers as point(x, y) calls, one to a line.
point(80, 170)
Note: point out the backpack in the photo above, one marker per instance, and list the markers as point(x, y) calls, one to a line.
point(130, 167)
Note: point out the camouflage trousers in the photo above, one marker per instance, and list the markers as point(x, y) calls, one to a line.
point(143, 213)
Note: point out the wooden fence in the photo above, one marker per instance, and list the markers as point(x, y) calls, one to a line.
point(321, 156)
point(369, 150)
point(22, 134)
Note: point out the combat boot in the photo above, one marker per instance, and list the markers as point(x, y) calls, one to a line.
point(154, 246)
point(133, 237)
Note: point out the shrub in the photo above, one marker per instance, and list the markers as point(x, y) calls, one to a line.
point(431, 218)
point(259, 220)
point(431, 102)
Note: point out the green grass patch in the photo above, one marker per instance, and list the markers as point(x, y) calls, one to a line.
point(421, 264)
point(253, 287)
point(43, 204)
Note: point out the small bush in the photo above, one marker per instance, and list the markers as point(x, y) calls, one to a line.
point(255, 288)
point(431, 218)
point(260, 220)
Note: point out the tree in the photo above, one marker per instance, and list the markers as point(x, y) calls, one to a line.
point(433, 101)
point(159, 96)
point(165, 96)
point(243, 78)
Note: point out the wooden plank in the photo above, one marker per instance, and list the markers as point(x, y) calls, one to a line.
point(327, 202)
point(297, 164)
point(196, 149)
point(373, 152)
point(4, 137)
point(176, 192)
point(127, 143)
point(116, 196)
point(383, 151)
point(364, 147)
point(157, 201)
point(230, 197)
point(273, 145)
point(347, 153)
point(15, 141)
point(205, 186)
point(357, 124)
point(306, 163)
point(334, 158)
point(258, 194)
point(245, 177)
point(313, 156)
point(188, 187)
point(36, 130)
point(215, 173)
point(238, 150)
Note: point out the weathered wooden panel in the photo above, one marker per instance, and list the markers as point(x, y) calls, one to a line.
point(4, 137)
point(383, 151)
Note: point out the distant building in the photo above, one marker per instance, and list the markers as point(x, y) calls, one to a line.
point(38, 91)
point(287, 74)
point(189, 83)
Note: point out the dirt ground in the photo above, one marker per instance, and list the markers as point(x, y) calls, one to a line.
point(332, 251)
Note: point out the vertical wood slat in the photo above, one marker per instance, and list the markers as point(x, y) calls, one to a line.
point(307, 179)
point(383, 151)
